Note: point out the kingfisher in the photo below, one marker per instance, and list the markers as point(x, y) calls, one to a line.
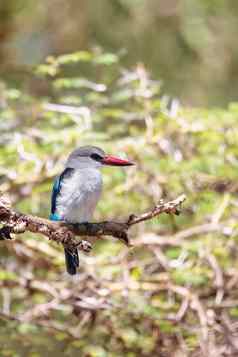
point(77, 190)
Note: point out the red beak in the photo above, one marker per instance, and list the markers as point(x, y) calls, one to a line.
point(115, 161)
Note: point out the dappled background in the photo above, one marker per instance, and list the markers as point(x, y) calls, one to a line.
point(155, 81)
point(189, 45)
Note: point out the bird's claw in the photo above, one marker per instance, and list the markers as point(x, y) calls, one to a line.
point(85, 246)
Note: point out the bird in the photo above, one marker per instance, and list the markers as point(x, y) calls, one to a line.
point(77, 190)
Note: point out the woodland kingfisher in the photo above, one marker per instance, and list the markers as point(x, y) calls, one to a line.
point(77, 190)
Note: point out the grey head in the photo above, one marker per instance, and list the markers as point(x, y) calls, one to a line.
point(93, 157)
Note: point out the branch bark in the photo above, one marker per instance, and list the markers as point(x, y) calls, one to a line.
point(68, 234)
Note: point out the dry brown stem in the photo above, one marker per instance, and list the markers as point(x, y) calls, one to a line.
point(67, 234)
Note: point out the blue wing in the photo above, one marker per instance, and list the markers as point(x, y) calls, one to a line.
point(56, 191)
point(71, 255)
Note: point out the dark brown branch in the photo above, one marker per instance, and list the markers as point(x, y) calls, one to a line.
point(15, 222)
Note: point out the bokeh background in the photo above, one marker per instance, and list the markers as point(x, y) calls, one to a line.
point(188, 44)
point(155, 81)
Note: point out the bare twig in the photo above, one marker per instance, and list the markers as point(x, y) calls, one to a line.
point(219, 281)
point(66, 234)
point(169, 207)
point(178, 238)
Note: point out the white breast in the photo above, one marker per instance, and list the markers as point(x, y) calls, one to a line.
point(79, 195)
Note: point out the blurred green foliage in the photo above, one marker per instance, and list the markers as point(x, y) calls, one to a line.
point(136, 293)
point(189, 44)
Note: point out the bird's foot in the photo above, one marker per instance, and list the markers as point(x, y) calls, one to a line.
point(85, 246)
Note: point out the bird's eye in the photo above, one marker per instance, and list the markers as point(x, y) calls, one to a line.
point(96, 157)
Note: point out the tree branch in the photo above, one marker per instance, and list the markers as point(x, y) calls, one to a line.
point(67, 234)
